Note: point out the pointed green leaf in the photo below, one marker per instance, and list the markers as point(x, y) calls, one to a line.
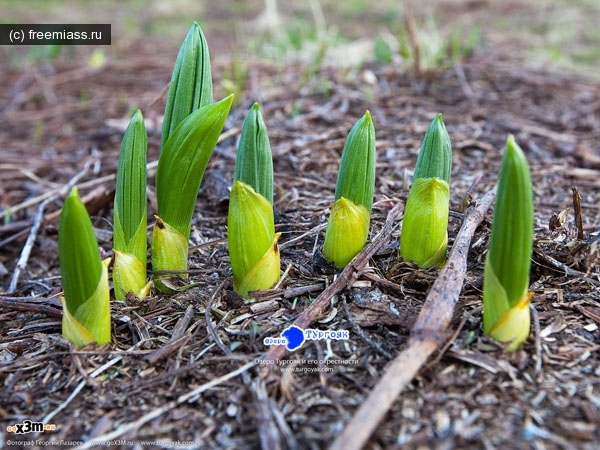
point(264, 274)
point(183, 160)
point(94, 314)
point(138, 245)
point(130, 196)
point(495, 300)
point(169, 251)
point(356, 175)
point(191, 82)
point(80, 262)
point(129, 274)
point(92, 318)
point(435, 156)
point(511, 239)
point(251, 229)
point(347, 231)
point(72, 330)
point(254, 162)
point(514, 325)
point(425, 225)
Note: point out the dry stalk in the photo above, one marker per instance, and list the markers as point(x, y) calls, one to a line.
point(346, 278)
point(426, 336)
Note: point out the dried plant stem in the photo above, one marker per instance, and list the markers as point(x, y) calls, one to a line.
point(33, 304)
point(578, 215)
point(80, 386)
point(426, 336)
point(150, 167)
point(22, 263)
point(411, 28)
point(190, 397)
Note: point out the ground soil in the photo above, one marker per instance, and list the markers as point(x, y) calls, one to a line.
point(63, 119)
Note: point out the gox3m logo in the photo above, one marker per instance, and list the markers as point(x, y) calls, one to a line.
point(27, 426)
point(293, 337)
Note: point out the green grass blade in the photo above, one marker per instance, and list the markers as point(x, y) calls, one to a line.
point(183, 160)
point(191, 82)
point(254, 162)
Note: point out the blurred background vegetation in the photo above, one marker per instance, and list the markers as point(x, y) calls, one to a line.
point(411, 35)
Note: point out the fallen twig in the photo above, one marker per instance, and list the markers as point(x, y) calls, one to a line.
point(33, 304)
point(426, 336)
point(346, 278)
point(568, 271)
point(185, 398)
point(62, 191)
point(578, 215)
point(361, 333)
point(79, 387)
point(151, 166)
point(538, 340)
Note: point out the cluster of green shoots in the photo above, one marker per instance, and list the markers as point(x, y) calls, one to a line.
point(424, 236)
point(191, 128)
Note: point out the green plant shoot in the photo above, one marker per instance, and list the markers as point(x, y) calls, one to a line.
point(254, 162)
point(424, 237)
point(506, 275)
point(86, 301)
point(181, 166)
point(252, 241)
point(130, 216)
point(348, 225)
point(191, 82)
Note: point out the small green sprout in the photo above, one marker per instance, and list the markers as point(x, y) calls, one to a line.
point(179, 173)
point(191, 82)
point(424, 237)
point(506, 275)
point(348, 225)
point(252, 240)
point(191, 128)
point(130, 216)
point(86, 301)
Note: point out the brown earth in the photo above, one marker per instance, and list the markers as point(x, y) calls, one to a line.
point(160, 377)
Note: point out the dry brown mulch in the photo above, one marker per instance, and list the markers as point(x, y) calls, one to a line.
point(56, 119)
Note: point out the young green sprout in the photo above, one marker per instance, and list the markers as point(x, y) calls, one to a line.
point(86, 301)
point(181, 166)
point(191, 128)
point(348, 225)
point(191, 82)
point(251, 236)
point(130, 216)
point(424, 236)
point(506, 274)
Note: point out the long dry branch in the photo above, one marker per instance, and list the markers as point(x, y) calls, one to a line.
point(346, 278)
point(426, 336)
